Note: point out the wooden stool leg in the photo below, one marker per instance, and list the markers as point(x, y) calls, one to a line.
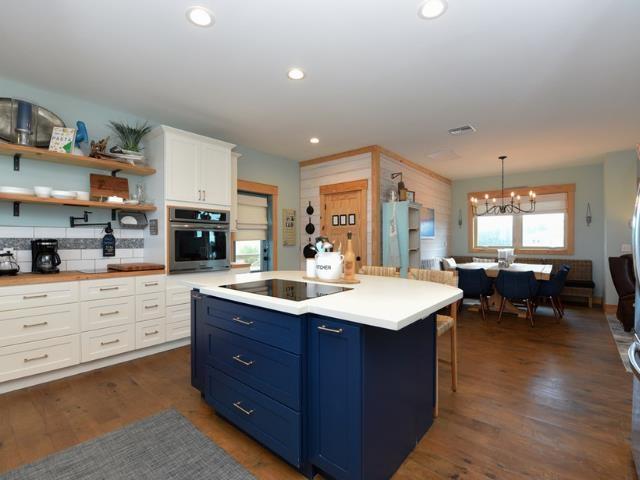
point(502, 302)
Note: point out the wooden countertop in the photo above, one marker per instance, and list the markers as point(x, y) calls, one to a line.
point(70, 276)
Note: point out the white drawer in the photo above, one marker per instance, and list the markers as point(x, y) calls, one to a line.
point(39, 323)
point(26, 296)
point(107, 288)
point(150, 306)
point(151, 332)
point(109, 312)
point(150, 284)
point(107, 342)
point(178, 321)
point(25, 359)
point(178, 295)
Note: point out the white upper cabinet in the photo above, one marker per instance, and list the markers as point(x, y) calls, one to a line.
point(182, 169)
point(197, 169)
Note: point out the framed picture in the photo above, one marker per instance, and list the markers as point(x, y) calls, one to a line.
point(335, 220)
point(343, 220)
point(289, 231)
point(411, 196)
point(427, 223)
point(352, 219)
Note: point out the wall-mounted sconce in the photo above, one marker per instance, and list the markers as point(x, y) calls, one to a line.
point(402, 190)
point(459, 218)
point(588, 218)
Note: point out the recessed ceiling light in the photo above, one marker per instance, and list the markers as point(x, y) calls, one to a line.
point(430, 9)
point(295, 74)
point(200, 16)
point(314, 140)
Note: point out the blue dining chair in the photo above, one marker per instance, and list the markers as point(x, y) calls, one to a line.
point(517, 286)
point(552, 289)
point(475, 283)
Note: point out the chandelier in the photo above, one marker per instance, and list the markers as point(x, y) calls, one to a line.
point(510, 207)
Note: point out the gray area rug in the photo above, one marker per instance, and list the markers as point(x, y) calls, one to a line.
point(622, 339)
point(165, 446)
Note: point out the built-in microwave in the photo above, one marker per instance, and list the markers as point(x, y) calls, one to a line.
point(199, 240)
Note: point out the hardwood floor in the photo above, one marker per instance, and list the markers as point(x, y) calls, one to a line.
point(532, 403)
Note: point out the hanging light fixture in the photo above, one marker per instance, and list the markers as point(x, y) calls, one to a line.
point(510, 207)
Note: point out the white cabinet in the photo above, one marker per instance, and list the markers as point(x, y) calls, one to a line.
point(26, 296)
point(178, 321)
point(39, 323)
point(108, 312)
point(150, 305)
point(107, 288)
point(150, 332)
point(107, 341)
point(150, 284)
point(197, 169)
point(182, 165)
point(233, 213)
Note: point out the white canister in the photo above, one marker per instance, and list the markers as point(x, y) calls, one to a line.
point(311, 267)
point(329, 265)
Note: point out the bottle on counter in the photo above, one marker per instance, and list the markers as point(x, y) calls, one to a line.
point(349, 260)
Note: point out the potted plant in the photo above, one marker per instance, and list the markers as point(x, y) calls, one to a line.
point(130, 136)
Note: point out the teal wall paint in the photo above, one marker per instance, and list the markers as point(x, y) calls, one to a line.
point(620, 173)
point(589, 188)
point(260, 167)
point(253, 165)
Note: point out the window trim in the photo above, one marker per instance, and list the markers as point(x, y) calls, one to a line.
point(569, 189)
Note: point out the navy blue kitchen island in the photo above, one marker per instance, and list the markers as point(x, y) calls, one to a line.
point(329, 396)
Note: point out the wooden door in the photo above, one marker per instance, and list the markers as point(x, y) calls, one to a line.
point(182, 169)
point(346, 205)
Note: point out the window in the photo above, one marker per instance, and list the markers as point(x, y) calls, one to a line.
point(249, 251)
point(549, 229)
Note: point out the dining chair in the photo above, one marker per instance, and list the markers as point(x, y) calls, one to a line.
point(444, 323)
point(475, 283)
point(379, 271)
point(552, 289)
point(517, 286)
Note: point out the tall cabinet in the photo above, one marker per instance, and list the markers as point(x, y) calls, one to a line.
point(403, 251)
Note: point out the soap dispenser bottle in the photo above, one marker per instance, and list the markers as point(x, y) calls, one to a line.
point(108, 242)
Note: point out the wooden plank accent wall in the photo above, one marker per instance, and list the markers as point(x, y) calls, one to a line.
point(432, 191)
point(314, 175)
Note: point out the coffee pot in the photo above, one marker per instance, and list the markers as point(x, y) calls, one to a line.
point(8, 264)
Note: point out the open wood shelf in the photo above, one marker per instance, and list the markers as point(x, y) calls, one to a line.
point(10, 197)
point(76, 160)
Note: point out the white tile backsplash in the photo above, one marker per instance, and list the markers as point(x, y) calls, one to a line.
point(138, 252)
point(81, 232)
point(80, 264)
point(130, 233)
point(102, 264)
point(16, 232)
point(25, 267)
point(75, 254)
point(124, 252)
point(49, 232)
point(91, 253)
point(23, 255)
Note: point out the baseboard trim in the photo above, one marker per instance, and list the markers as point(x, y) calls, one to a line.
point(608, 308)
point(25, 382)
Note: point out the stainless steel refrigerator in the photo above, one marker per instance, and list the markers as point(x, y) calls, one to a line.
point(634, 349)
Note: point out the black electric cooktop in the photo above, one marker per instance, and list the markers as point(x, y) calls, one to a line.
point(287, 289)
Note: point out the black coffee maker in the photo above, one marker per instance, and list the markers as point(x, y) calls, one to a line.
point(44, 256)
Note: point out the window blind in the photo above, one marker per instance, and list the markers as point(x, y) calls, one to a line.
point(253, 221)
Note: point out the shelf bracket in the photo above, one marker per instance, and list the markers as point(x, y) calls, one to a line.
point(16, 209)
point(113, 172)
point(16, 162)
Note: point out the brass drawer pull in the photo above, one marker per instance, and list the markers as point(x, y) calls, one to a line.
point(29, 325)
point(106, 289)
point(243, 322)
point(149, 307)
point(243, 362)
point(150, 284)
point(110, 342)
point(31, 297)
point(105, 314)
point(41, 357)
point(324, 328)
point(148, 334)
point(238, 405)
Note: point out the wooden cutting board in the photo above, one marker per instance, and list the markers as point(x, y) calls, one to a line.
point(134, 267)
point(103, 186)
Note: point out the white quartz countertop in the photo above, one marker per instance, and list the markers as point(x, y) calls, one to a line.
point(391, 303)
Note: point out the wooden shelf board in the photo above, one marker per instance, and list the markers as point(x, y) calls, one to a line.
point(76, 160)
point(10, 197)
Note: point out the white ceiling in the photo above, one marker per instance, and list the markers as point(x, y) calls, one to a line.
point(547, 82)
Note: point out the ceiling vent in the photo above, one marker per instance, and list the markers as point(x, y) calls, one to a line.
point(463, 130)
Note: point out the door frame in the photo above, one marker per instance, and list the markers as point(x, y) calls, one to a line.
point(355, 185)
point(262, 189)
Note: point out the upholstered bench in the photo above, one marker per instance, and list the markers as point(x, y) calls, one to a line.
point(579, 282)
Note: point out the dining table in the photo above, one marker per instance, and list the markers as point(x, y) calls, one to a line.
point(541, 271)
